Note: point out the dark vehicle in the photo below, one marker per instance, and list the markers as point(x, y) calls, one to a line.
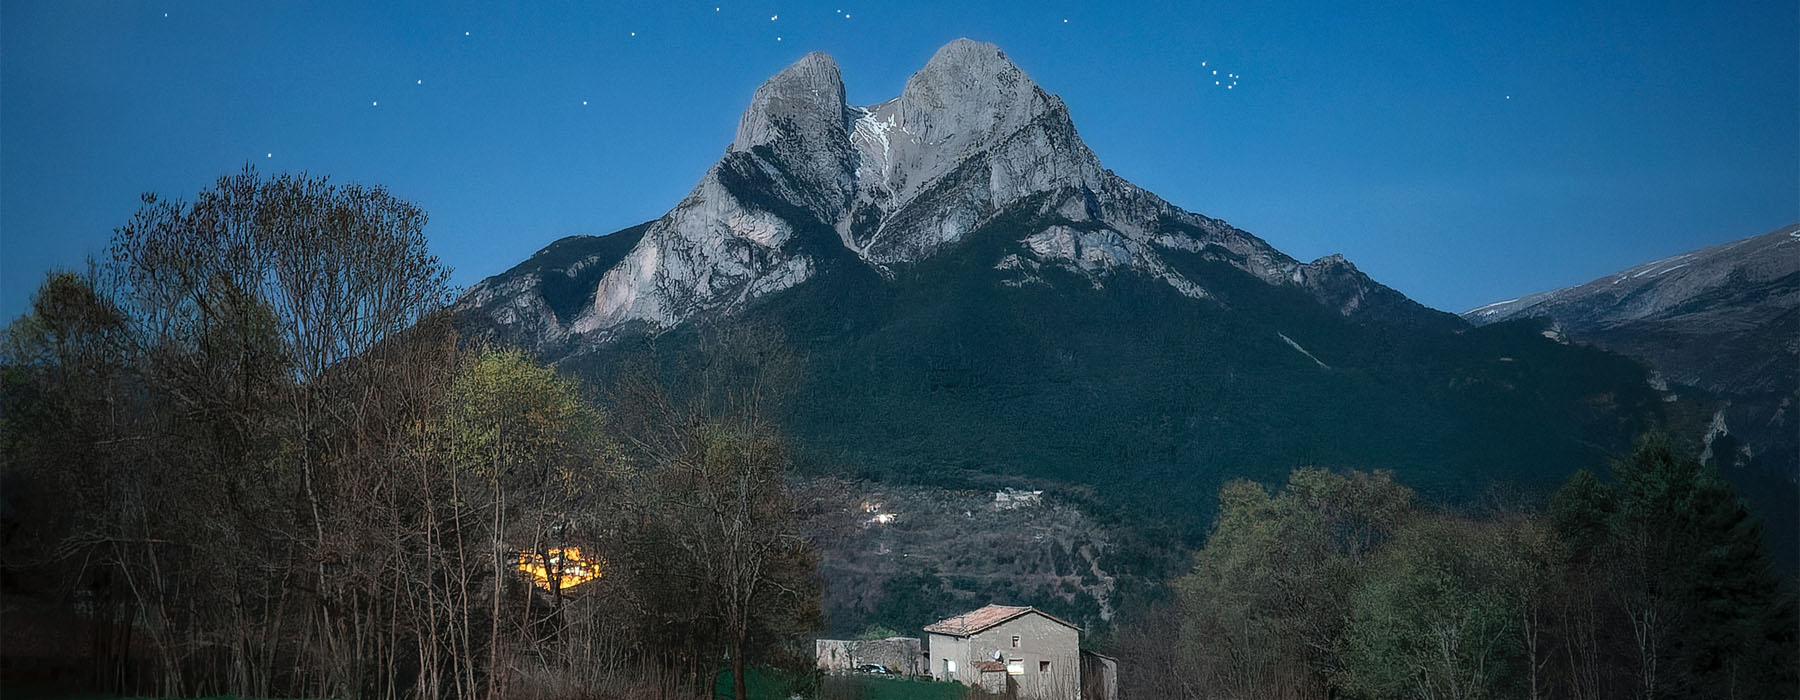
point(877, 669)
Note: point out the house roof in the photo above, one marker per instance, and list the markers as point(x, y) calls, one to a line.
point(974, 622)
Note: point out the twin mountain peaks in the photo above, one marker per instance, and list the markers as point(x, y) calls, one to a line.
point(969, 140)
point(980, 302)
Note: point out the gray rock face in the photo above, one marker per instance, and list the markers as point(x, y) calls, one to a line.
point(970, 138)
point(1724, 318)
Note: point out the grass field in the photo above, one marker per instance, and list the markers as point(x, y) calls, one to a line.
point(766, 685)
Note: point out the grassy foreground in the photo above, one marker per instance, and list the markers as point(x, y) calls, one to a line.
point(765, 685)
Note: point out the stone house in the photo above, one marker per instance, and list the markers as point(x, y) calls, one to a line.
point(902, 655)
point(1004, 649)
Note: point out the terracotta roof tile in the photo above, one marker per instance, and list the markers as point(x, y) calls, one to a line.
point(974, 622)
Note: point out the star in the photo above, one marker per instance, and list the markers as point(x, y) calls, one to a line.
point(1202, 64)
point(418, 82)
point(271, 155)
point(634, 33)
point(465, 33)
point(165, 15)
point(1215, 72)
point(778, 38)
point(774, 17)
point(846, 16)
point(1065, 21)
point(584, 103)
point(1509, 97)
point(374, 104)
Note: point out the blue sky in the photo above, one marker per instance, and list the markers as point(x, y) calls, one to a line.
point(1634, 129)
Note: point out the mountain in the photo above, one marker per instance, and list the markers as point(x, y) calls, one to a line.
point(1725, 319)
point(970, 138)
point(981, 304)
point(1722, 322)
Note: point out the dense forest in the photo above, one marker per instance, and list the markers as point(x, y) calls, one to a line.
point(1652, 584)
point(247, 453)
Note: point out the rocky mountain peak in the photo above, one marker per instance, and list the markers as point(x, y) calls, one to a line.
point(805, 100)
point(970, 139)
point(972, 85)
point(968, 96)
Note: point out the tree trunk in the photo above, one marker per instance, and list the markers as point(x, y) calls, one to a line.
point(739, 688)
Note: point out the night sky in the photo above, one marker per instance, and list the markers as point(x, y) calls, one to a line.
point(1460, 152)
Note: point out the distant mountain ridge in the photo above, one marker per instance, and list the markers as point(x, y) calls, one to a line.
point(1724, 318)
point(969, 138)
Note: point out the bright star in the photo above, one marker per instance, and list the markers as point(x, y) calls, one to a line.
point(584, 103)
point(465, 33)
point(419, 82)
point(773, 17)
point(271, 155)
point(634, 33)
point(374, 104)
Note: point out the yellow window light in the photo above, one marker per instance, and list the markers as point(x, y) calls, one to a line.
point(566, 563)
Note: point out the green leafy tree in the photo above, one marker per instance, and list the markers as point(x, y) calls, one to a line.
point(1705, 612)
point(1580, 516)
point(1435, 615)
point(534, 450)
point(1268, 596)
point(66, 399)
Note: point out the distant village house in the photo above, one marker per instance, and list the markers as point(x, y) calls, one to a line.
point(1011, 498)
point(1006, 650)
point(1020, 652)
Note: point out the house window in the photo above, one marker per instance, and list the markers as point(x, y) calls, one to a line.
point(1043, 667)
point(950, 667)
point(1015, 641)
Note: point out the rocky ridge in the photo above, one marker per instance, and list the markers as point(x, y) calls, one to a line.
point(1724, 318)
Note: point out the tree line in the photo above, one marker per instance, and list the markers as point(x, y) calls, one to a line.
point(245, 453)
point(1652, 584)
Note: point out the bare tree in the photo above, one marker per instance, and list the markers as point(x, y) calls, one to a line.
point(716, 490)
